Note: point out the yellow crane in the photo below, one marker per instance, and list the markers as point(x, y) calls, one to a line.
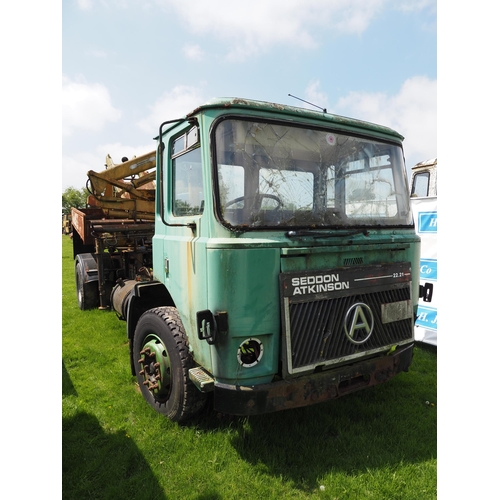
point(125, 190)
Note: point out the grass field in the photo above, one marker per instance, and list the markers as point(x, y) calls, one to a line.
point(379, 443)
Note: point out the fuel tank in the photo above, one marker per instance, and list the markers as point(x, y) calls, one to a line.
point(120, 296)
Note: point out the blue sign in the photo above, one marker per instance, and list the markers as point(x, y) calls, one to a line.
point(427, 317)
point(428, 269)
point(427, 222)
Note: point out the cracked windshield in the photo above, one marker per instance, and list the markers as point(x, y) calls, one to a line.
point(273, 175)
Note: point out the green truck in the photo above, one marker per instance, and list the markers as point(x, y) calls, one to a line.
point(271, 263)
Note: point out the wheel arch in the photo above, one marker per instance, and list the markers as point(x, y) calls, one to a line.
point(87, 281)
point(88, 265)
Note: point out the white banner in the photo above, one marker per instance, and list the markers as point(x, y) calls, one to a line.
point(425, 216)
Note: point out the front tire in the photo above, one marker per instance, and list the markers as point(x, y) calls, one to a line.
point(162, 361)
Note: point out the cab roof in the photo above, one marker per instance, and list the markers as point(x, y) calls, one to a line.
point(283, 109)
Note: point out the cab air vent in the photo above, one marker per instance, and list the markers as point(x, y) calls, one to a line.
point(353, 262)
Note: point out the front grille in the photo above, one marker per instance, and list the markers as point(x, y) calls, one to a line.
point(317, 328)
point(315, 324)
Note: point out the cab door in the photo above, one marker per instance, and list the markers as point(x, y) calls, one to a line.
point(179, 238)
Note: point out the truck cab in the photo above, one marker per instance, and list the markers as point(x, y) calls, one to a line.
point(286, 243)
point(284, 261)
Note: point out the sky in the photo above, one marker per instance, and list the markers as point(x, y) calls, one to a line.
point(129, 65)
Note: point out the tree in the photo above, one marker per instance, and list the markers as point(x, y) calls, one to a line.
point(73, 197)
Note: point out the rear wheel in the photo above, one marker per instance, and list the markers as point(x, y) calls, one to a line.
point(86, 292)
point(162, 361)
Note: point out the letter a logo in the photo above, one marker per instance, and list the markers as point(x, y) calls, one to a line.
point(358, 323)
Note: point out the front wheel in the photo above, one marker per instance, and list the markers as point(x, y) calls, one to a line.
point(162, 360)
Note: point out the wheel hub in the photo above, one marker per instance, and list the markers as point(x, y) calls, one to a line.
point(155, 368)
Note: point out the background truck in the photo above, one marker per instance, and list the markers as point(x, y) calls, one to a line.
point(424, 179)
point(263, 256)
point(66, 224)
point(424, 207)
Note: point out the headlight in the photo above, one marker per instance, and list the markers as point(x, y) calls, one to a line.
point(250, 352)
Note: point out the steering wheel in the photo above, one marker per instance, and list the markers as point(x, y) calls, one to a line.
point(260, 197)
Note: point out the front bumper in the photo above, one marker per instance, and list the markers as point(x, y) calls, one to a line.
point(310, 389)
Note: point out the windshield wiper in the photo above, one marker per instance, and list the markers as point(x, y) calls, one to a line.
point(321, 234)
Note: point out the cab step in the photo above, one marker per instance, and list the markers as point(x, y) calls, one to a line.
point(201, 379)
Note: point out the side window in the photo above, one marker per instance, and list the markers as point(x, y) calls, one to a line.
point(187, 175)
point(188, 184)
point(420, 187)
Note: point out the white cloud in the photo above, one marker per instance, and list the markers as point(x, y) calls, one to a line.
point(85, 4)
point(253, 27)
point(412, 112)
point(86, 106)
point(193, 52)
point(173, 104)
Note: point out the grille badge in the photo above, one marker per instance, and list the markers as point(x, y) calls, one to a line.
point(358, 323)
